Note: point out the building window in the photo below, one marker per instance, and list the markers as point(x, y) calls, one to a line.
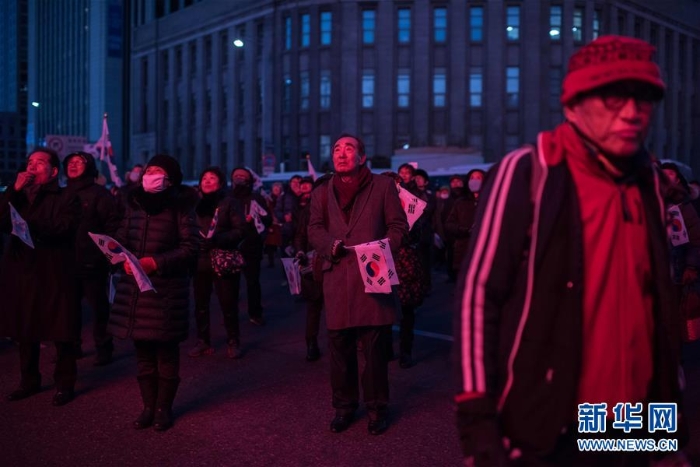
point(178, 62)
point(555, 23)
point(476, 23)
point(367, 88)
point(325, 90)
point(193, 58)
point(207, 106)
point(513, 23)
point(439, 87)
point(476, 86)
point(368, 24)
point(223, 45)
point(404, 28)
point(224, 103)
point(241, 50)
point(403, 87)
point(287, 32)
point(207, 53)
point(180, 115)
point(305, 37)
point(165, 63)
point(287, 94)
point(577, 29)
point(596, 24)
point(324, 147)
point(554, 88)
point(440, 25)
point(512, 86)
point(259, 39)
point(241, 101)
point(326, 27)
point(304, 90)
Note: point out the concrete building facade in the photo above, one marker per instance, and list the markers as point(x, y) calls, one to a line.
point(479, 74)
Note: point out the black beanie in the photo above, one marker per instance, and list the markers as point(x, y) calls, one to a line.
point(170, 165)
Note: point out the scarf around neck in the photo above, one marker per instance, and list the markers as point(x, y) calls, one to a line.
point(346, 192)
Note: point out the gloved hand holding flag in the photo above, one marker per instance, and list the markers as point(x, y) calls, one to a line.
point(116, 254)
point(257, 211)
point(412, 206)
point(376, 265)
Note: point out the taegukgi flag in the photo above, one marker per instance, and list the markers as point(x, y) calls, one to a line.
point(291, 268)
point(257, 211)
point(20, 228)
point(212, 226)
point(116, 254)
point(677, 230)
point(412, 206)
point(376, 265)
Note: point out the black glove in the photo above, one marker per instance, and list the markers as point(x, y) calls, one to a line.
point(302, 258)
point(338, 250)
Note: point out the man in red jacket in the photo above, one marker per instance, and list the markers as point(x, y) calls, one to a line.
point(566, 305)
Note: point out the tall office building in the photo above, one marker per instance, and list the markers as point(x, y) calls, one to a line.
point(13, 87)
point(226, 82)
point(75, 68)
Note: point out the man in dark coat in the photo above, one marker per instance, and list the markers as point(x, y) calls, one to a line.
point(355, 207)
point(38, 284)
point(252, 244)
point(99, 215)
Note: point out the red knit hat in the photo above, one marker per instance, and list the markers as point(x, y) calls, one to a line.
point(607, 60)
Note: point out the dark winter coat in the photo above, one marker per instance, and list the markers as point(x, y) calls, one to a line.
point(376, 214)
point(459, 225)
point(39, 300)
point(99, 214)
point(162, 226)
point(229, 228)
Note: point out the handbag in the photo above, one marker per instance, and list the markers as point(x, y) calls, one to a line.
point(226, 262)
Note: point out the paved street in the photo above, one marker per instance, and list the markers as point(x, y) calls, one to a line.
point(269, 408)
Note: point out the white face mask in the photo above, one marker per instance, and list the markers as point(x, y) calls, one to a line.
point(444, 195)
point(474, 185)
point(154, 183)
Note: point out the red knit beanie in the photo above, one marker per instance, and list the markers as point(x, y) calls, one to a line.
point(607, 60)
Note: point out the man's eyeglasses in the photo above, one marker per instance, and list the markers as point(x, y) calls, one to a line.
point(616, 96)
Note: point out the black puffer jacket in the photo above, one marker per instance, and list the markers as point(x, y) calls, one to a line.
point(229, 228)
point(162, 226)
point(99, 214)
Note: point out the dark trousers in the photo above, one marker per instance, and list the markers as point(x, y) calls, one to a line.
point(93, 288)
point(344, 369)
point(408, 321)
point(251, 271)
point(312, 291)
point(157, 360)
point(65, 372)
point(450, 258)
point(204, 282)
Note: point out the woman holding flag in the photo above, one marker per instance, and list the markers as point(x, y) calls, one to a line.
point(160, 229)
point(220, 226)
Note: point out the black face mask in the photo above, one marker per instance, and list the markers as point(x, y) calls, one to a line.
point(242, 189)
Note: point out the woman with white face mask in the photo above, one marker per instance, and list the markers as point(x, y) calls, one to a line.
point(461, 219)
point(160, 229)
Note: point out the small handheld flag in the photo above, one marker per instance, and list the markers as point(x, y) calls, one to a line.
point(20, 228)
point(116, 254)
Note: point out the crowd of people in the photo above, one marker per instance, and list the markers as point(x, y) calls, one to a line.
point(560, 254)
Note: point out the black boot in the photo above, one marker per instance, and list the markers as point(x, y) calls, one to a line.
point(167, 388)
point(149, 393)
point(313, 353)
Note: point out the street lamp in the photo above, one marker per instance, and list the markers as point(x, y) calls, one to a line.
point(238, 43)
point(35, 104)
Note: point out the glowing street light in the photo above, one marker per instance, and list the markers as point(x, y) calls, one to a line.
point(35, 104)
point(238, 43)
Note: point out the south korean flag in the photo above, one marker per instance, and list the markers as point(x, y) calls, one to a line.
point(412, 206)
point(376, 266)
point(257, 211)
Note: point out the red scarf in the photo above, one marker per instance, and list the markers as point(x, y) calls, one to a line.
point(346, 191)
